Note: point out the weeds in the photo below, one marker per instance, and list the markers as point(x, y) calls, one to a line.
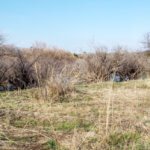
point(79, 124)
point(120, 140)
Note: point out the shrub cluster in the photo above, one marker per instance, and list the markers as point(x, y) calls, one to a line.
point(27, 68)
point(54, 68)
point(101, 66)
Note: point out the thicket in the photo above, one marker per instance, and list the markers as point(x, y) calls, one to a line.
point(57, 69)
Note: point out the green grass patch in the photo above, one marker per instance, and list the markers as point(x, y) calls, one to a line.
point(143, 86)
point(21, 123)
point(119, 140)
point(68, 126)
point(53, 145)
point(2, 137)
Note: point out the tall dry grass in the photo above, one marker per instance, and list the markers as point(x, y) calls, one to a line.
point(104, 115)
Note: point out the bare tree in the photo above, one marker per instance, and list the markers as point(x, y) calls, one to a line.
point(146, 41)
point(1, 39)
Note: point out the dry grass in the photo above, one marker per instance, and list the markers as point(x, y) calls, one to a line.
point(97, 116)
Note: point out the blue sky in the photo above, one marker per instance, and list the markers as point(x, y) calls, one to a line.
point(75, 25)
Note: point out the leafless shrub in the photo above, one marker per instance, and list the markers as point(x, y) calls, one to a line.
point(126, 64)
point(5, 69)
point(51, 62)
point(101, 65)
point(32, 67)
point(23, 75)
point(6, 62)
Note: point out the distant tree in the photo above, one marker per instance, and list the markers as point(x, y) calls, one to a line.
point(1, 39)
point(146, 41)
point(38, 45)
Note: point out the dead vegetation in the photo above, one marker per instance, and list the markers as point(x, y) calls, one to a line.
point(57, 70)
point(100, 66)
point(66, 101)
point(35, 66)
point(103, 115)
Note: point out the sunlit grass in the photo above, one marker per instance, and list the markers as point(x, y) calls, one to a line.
point(102, 115)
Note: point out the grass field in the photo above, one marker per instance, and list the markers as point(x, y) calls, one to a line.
point(95, 116)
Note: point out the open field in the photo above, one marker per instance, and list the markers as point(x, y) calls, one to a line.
point(74, 75)
point(104, 115)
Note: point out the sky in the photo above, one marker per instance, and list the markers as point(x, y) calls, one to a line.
point(75, 25)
